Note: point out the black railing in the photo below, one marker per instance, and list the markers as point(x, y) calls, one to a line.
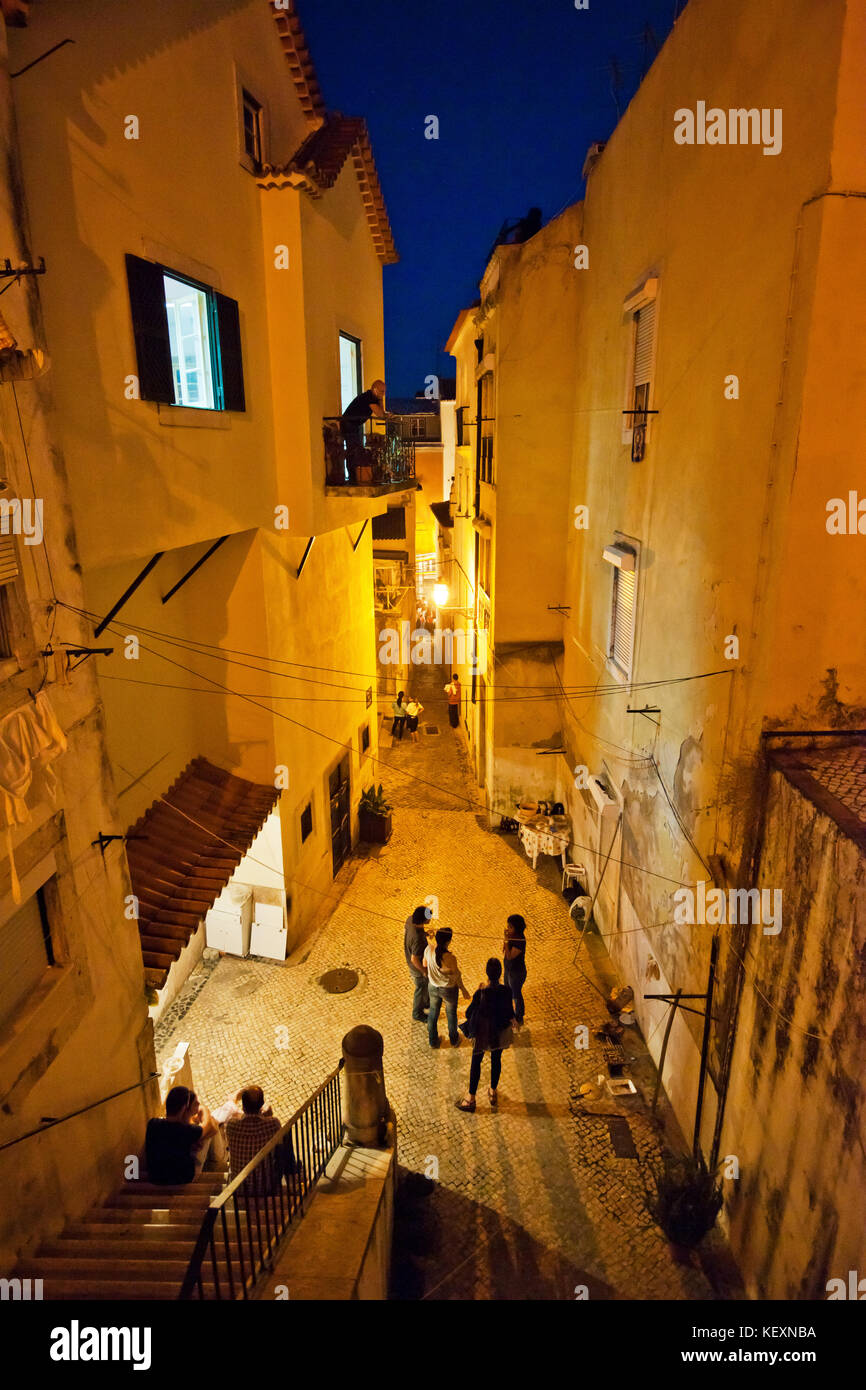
point(244, 1226)
point(378, 457)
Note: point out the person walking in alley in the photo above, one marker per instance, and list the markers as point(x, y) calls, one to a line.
point(443, 982)
point(413, 709)
point(452, 690)
point(514, 959)
point(401, 714)
point(415, 945)
point(488, 1022)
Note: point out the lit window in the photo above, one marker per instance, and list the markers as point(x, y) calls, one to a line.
point(252, 126)
point(190, 339)
point(187, 339)
point(350, 369)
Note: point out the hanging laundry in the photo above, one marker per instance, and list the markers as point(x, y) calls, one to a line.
point(30, 740)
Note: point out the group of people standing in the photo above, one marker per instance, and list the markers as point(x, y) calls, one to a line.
point(406, 714)
point(495, 1010)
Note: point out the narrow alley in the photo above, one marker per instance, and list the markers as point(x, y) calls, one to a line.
point(531, 1202)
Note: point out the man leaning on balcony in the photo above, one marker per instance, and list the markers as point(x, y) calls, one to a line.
point(354, 418)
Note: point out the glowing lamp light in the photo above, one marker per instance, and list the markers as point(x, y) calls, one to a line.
point(440, 594)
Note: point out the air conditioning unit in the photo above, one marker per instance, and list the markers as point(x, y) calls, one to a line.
point(600, 794)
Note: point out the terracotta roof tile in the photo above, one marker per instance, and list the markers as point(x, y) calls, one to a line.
point(192, 841)
point(298, 58)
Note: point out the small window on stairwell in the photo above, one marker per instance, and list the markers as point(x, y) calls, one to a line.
point(253, 126)
point(365, 739)
point(307, 822)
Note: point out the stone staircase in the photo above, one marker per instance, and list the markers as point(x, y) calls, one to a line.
point(136, 1245)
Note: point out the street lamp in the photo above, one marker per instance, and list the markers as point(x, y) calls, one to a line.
point(440, 594)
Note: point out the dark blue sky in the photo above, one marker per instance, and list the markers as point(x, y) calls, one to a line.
point(521, 89)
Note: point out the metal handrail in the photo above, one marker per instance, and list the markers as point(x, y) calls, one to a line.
point(257, 1198)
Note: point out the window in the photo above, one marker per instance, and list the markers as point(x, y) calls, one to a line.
point(187, 339)
point(350, 369)
point(484, 563)
point(623, 557)
point(365, 739)
point(26, 952)
point(485, 427)
point(189, 336)
point(307, 822)
point(8, 575)
point(252, 118)
point(642, 309)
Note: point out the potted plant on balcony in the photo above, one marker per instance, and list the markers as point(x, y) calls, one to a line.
point(374, 814)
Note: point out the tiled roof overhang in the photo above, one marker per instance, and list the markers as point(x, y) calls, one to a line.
point(192, 841)
point(310, 96)
point(298, 58)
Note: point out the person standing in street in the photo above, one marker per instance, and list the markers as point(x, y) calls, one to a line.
point(514, 960)
point(413, 709)
point(414, 945)
point(488, 1022)
point(452, 690)
point(401, 714)
point(443, 981)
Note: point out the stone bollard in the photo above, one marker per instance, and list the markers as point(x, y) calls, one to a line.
point(366, 1106)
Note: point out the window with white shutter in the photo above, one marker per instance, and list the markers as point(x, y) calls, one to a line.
point(623, 607)
point(8, 574)
point(25, 952)
point(641, 309)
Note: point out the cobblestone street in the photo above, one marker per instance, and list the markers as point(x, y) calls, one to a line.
point(529, 1202)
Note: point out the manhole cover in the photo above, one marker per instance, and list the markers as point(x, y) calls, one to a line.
point(339, 981)
point(431, 728)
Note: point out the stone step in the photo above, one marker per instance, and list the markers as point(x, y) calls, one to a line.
point(107, 1290)
point(82, 1267)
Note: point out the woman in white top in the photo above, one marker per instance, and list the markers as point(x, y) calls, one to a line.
point(444, 981)
point(413, 709)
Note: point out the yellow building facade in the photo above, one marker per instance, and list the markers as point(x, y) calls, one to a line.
point(705, 550)
point(195, 144)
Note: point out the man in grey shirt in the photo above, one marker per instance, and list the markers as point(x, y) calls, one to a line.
point(414, 946)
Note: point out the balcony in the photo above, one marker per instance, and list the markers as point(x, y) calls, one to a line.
point(367, 464)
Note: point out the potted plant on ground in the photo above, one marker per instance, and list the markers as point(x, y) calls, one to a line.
point(374, 814)
point(686, 1201)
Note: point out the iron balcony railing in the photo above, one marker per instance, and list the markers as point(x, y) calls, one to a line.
point(244, 1226)
point(354, 458)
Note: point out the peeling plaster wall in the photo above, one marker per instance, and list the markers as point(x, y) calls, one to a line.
point(796, 1114)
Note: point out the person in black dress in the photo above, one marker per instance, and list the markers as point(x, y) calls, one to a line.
point(514, 957)
point(489, 1018)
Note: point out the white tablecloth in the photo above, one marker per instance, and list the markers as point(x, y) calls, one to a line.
point(536, 840)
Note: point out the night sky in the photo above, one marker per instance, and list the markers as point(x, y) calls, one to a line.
point(521, 89)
